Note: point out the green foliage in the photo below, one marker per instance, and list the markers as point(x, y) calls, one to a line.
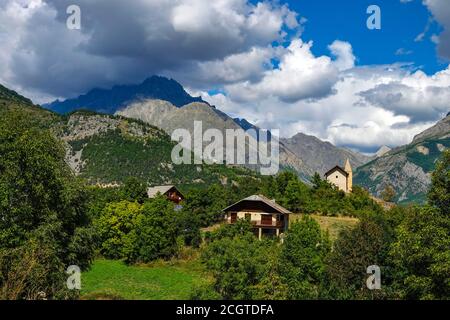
point(296, 196)
point(139, 233)
point(12, 97)
point(322, 198)
point(302, 256)
point(206, 205)
point(42, 207)
point(242, 268)
point(355, 250)
point(439, 193)
point(155, 233)
point(114, 227)
point(421, 255)
point(134, 190)
point(241, 229)
point(33, 270)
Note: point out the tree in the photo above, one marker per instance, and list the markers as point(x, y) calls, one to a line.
point(43, 209)
point(388, 194)
point(355, 250)
point(206, 205)
point(156, 232)
point(421, 255)
point(439, 193)
point(302, 256)
point(296, 196)
point(134, 190)
point(243, 268)
point(114, 226)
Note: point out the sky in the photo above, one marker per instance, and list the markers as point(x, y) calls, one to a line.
point(298, 66)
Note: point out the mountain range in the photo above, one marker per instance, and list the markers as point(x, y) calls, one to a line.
point(110, 100)
point(407, 168)
point(105, 148)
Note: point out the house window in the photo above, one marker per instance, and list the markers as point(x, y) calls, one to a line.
point(248, 217)
point(266, 219)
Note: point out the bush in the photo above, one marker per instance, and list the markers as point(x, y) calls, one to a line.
point(155, 234)
point(114, 226)
point(353, 252)
point(242, 268)
point(302, 259)
point(421, 255)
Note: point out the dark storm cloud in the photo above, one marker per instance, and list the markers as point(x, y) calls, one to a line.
point(126, 41)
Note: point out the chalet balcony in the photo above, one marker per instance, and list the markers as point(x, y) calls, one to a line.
point(267, 224)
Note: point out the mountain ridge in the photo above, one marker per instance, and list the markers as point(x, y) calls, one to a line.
point(110, 100)
point(320, 155)
point(407, 168)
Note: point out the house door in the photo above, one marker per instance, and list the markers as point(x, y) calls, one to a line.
point(266, 219)
point(233, 217)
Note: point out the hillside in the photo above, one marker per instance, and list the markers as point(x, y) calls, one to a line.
point(11, 101)
point(408, 168)
point(111, 100)
point(106, 149)
point(166, 116)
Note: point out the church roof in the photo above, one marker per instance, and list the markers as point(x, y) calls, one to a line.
point(336, 168)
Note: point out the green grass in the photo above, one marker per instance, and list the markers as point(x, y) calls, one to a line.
point(112, 279)
point(334, 225)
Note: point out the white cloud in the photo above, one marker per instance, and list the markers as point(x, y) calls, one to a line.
point(349, 117)
point(343, 52)
point(418, 96)
point(236, 46)
point(300, 75)
point(128, 41)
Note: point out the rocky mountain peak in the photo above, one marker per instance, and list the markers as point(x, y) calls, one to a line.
point(382, 151)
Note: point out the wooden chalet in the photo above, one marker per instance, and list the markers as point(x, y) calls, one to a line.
point(171, 192)
point(266, 216)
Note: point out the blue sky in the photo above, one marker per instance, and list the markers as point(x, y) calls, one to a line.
point(298, 66)
point(401, 24)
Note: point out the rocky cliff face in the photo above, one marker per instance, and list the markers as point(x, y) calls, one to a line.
point(408, 168)
point(164, 115)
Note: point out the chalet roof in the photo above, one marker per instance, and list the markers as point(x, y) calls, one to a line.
point(261, 198)
point(336, 168)
point(153, 191)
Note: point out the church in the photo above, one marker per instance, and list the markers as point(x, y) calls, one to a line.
point(341, 177)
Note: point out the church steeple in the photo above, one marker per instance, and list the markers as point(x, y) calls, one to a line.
point(348, 169)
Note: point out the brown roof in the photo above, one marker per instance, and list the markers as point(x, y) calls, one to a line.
point(153, 191)
point(263, 199)
point(336, 168)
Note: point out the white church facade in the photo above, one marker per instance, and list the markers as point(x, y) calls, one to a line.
point(341, 177)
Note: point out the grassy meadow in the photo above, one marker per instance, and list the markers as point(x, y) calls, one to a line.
point(334, 225)
point(162, 280)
